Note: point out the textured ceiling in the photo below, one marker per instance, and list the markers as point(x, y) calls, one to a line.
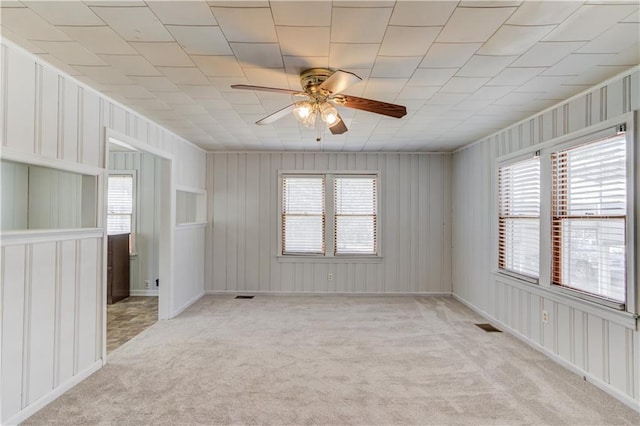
point(463, 69)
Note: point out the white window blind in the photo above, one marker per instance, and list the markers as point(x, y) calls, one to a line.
point(519, 217)
point(303, 214)
point(355, 204)
point(119, 204)
point(589, 218)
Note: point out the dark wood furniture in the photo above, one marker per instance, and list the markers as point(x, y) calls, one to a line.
point(117, 268)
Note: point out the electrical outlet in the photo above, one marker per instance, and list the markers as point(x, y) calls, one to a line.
point(329, 276)
point(146, 284)
point(545, 317)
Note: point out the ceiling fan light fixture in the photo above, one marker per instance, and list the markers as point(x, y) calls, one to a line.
point(304, 113)
point(329, 113)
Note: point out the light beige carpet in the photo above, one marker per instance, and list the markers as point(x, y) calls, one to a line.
point(331, 360)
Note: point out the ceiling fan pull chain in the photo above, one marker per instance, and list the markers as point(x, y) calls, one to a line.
point(319, 127)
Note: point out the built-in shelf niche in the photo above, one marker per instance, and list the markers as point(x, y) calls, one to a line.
point(190, 207)
point(39, 198)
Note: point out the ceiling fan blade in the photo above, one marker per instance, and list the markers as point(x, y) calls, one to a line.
point(267, 89)
point(338, 81)
point(378, 107)
point(339, 127)
point(276, 115)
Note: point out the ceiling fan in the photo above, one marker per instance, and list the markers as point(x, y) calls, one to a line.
point(321, 87)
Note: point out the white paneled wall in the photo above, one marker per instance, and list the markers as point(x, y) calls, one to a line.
point(599, 343)
point(189, 266)
point(414, 225)
point(145, 265)
point(52, 286)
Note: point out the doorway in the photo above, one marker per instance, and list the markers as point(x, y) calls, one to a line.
point(138, 204)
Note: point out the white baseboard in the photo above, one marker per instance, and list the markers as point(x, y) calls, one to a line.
point(36, 406)
point(625, 399)
point(316, 293)
point(143, 292)
point(178, 311)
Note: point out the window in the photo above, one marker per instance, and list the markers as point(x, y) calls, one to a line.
point(589, 193)
point(120, 206)
point(329, 214)
point(303, 215)
point(355, 215)
point(519, 217)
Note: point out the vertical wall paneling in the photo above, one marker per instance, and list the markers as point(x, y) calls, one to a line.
point(48, 114)
point(414, 228)
point(602, 347)
point(3, 99)
point(20, 101)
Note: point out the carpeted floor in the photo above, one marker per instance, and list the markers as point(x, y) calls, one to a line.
point(331, 360)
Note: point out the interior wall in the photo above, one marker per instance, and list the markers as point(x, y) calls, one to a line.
point(414, 225)
point(145, 264)
point(599, 343)
point(52, 282)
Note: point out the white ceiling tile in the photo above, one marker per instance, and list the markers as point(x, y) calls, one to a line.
point(114, 3)
point(316, 41)
point(408, 41)
point(306, 14)
point(153, 105)
point(131, 64)
point(65, 12)
point(543, 12)
point(173, 98)
point(431, 76)
point(449, 55)
point(200, 40)
point(183, 12)
point(629, 56)
point(543, 83)
point(163, 54)
point(189, 109)
point(422, 13)
point(491, 93)
point(134, 23)
point(159, 84)
point(516, 98)
point(545, 54)
point(218, 66)
point(242, 24)
point(515, 76)
point(20, 41)
point(131, 91)
point(633, 17)
point(359, 25)
point(70, 52)
point(614, 40)
point(27, 24)
point(577, 63)
point(597, 74)
point(99, 40)
point(258, 54)
point(56, 63)
point(589, 21)
point(223, 84)
point(418, 92)
point(103, 74)
point(463, 84)
point(485, 66)
point(184, 75)
point(395, 66)
point(473, 24)
point(514, 40)
point(343, 56)
point(201, 92)
point(447, 98)
point(294, 65)
point(271, 77)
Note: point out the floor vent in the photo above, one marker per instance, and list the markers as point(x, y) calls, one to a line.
point(489, 328)
point(244, 297)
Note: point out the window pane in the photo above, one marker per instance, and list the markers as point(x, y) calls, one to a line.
point(356, 234)
point(120, 195)
point(519, 217)
point(118, 224)
point(303, 214)
point(521, 246)
point(593, 257)
point(355, 196)
point(304, 234)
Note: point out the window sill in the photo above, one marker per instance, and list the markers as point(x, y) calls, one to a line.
point(289, 258)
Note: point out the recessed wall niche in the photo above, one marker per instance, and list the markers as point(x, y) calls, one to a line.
point(36, 197)
point(190, 207)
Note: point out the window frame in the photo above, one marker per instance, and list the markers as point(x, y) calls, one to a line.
point(329, 231)
point(592, 133)
point(134, 210)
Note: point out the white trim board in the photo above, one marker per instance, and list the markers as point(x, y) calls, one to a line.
point(315, 293)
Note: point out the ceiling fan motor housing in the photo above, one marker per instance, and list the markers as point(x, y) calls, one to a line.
point(312, 78)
